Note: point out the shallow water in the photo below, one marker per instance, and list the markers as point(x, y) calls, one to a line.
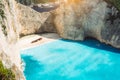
point(69, 60)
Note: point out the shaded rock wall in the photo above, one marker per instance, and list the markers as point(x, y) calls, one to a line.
point(111, 32)
point(48, 26)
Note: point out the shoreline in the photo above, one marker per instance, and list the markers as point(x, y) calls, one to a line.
point(36, 40)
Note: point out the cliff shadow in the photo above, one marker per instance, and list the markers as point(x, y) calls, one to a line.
point(90, 42)
point(50, 35)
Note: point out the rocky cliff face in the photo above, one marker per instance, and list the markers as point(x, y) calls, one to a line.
point(80, 19)
point(9, 34)
point(30, 20)
point(17, 20)
point(76, 20)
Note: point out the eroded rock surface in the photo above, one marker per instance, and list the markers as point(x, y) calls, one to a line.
point(80, 19)
point(76, 20)
point(34, 20)
point(9, 34)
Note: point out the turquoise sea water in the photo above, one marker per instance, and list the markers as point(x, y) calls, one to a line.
point(69, 60)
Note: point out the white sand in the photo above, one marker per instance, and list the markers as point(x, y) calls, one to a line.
point(25, 42)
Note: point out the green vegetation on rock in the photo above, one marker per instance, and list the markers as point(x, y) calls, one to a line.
point(6, 74)
point(116, 3)
point(29, 2)
point(2, 17)
point(43, 1)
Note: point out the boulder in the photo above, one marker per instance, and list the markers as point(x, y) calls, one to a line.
point(30, 20)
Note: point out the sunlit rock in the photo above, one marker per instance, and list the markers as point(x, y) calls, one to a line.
point(30, 20)
point(77, 20)
point(9, 34)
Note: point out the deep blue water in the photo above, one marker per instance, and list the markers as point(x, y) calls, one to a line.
point(69, 60)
